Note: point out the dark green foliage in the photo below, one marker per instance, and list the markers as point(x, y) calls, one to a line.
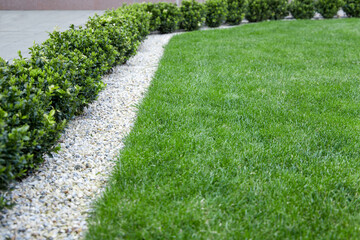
point(140, 18)
point(155, 20)
point(236, 11)
point(216, 12)
point(62, 76)
point(258, 10)
point(328, 8)
point(125, 28)
point(75, 61)
point(193, 15)
point(302, 9)
point(352, 8)
point(278, 8)
point(165, 16)
point(28, 128)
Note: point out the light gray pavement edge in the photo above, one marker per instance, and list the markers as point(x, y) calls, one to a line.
point(19, 29)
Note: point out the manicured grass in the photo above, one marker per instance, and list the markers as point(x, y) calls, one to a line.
point(246, 133)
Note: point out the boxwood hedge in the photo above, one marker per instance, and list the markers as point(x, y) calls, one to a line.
point(302, 9)
point(328, 8)
point(352, 8)
point(278, 9)
point(216, 12)
point(258, 10)
point(166, 17)
point(193, 15)
point(236, 11)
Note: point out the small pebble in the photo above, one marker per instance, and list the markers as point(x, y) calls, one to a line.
point(77, 167)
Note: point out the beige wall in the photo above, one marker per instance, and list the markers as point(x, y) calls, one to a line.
point(68, 4)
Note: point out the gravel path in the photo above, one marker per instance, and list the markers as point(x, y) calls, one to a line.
point(54, 203)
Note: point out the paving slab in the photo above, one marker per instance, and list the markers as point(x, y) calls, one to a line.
point(20, 29)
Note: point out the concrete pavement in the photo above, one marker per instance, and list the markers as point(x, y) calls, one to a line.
point(19, 29)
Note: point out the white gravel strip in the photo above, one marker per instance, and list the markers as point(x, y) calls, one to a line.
point(54, 202)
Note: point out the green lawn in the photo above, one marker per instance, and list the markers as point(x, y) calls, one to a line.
point(246, 133)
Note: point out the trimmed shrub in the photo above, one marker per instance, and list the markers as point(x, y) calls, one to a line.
point(28, 128)
point(278, 9)
point(236, 11)
point(62, 76)
point(140, 18)
point(352, 8)
point(165, 16)
point(257, 10)
point(216, 12)
point(155, 20)
point(75, 60)
point(193, 15)
point(125, 28)
point(302, 9)
point(328, 8)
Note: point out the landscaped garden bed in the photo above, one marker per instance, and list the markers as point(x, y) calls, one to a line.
point(244, 133)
